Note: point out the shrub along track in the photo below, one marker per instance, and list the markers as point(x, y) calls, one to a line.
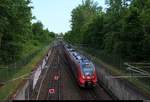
point(58, 76)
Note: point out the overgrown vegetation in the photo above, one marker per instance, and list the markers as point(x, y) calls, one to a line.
point(17, 33)
point(123, 29)
point(11, 85)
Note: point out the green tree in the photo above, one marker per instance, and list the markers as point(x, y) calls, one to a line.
point(41, 35)
point(15, 20)
point(82, 16)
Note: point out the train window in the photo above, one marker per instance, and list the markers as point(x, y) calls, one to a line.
point(68, 46)
point(87, 65)
point(73, 50)
point(87, 68)
point(79, 57)
point(75, 53)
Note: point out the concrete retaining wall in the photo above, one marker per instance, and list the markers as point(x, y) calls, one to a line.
point(25, 91)
point(22, 93)
point(120, 88)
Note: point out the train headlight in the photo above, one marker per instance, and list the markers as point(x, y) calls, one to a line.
point(83, 76)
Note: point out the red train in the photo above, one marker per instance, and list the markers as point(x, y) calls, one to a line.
point(82, 68)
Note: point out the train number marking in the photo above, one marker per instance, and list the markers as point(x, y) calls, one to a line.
point(56, 77)
point(52, 91)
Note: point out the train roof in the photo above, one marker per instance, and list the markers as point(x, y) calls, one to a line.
point(77, 56)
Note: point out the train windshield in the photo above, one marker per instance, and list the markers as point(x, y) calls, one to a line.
point(87, 69)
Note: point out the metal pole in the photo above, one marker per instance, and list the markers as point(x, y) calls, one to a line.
point(28, 88)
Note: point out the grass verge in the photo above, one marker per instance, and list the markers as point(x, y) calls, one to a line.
point(10, 87)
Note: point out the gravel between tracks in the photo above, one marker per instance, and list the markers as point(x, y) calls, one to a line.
point(59, 77)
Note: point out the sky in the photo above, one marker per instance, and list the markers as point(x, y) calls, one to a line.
point(56, 14)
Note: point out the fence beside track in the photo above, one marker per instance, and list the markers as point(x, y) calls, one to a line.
point(10, 70)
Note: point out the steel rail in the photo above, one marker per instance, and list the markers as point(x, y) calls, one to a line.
point(43, 78)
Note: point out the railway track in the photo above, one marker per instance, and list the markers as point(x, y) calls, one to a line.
point(36, 92)
point(55, 80)
point(58, 82)
point(41, 94)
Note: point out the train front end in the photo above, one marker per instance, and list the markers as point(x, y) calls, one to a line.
point(87, 75)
